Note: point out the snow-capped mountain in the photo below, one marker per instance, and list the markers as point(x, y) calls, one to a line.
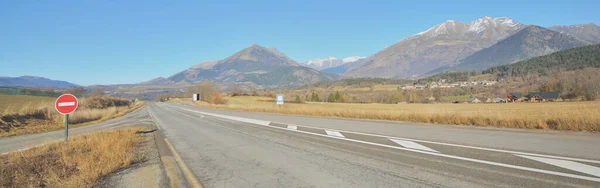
point(498, 27)
point(329, 62)
point(442, 45)
point(352, 59)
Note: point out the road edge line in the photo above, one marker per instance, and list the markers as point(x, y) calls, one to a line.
point(188, 174)
point(169, 164)
point(579, 159)
point(172, 161)
point(589, 178)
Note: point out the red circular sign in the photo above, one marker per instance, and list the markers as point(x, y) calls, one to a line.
point(66, 104)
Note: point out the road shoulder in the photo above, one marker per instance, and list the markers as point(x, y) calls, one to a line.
point(148, 172)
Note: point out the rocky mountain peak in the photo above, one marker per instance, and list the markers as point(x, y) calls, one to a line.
point(441, 45)
point(588, 32)
point(453, 27)
point(261, 55)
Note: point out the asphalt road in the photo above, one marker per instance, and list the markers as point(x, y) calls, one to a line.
point(226, 148)
point(243, 149)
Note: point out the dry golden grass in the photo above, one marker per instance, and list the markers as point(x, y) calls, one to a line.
point(10, 103)
point(80, 163)
point(574, 116)
point(378, 87)
point(381, 87)
point(42, 117)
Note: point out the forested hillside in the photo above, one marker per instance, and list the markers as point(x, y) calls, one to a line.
point(568, 60)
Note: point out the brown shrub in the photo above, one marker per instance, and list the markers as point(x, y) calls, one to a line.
point(215, 98)
point(103, 102)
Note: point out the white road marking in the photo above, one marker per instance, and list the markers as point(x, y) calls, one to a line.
point(469, 147)
point(419, 151)
point(245, 120)
point(575, 166)
point(293, 127)
point(413, 145)
point(60, 104)
point(334, 133)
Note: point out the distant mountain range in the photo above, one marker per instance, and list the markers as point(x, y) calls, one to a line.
point(33, 81)
point(587, 32)
point(254, 66)
point(448, 46)
point(441, 45)
point(329, 62)
point(532, 41)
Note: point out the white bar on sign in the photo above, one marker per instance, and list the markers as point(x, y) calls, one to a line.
point(66, 104)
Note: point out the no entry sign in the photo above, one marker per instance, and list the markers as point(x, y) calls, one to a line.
point(66, 104)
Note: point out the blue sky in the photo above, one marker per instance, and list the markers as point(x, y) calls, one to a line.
point(117, 42)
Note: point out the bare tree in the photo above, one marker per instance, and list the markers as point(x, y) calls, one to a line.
point(77, 91)
point(97, 92)
point(235, 90)
point(437, 94)
point(205, 89)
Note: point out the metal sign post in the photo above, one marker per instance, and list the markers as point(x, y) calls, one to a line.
point(66, 127)
point(66, 104)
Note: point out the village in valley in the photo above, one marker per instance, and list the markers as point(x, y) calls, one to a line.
point(511, 97)
point(443, 83)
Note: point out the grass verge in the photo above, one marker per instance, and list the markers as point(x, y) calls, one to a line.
point(81, 163)
point(31, 118)
point(571, 116)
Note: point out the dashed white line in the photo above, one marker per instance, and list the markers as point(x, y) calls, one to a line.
point(575, 166)
point(245, 120)
point(293, 127)
point(266, 123)
point(413, 145)
point(469, 147)
point(334, 133)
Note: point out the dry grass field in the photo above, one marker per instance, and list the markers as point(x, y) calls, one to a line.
point(11, 103)
point(378, 87)
point(79, 164)
point(34, 114)
point(573, 116)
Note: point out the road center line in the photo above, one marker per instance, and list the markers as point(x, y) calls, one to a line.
point(448, 144)
point(575, 166)
point(465, 146)
point(334, 133)
point(594, 179)
point(413, 145)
